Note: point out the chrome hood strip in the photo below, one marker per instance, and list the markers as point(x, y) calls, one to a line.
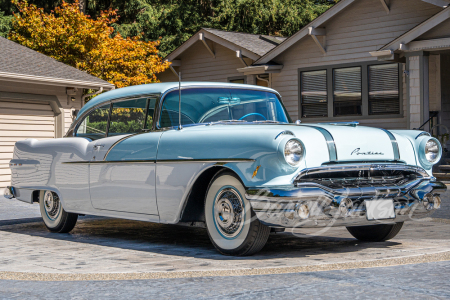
point(394, 144)
point(330, 141)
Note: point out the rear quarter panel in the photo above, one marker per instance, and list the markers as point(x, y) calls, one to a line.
point(46, 171)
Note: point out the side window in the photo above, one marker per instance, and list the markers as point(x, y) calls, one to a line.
point(151, 111)
point(127, 117)
point(95, 124)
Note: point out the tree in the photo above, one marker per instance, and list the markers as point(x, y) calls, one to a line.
point(87, 44)
point(5, 24)
point(172, 22)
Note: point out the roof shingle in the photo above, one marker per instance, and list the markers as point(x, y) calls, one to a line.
point(256, 43)
point(18, 59)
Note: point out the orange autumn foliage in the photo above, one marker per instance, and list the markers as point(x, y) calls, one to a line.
point(75, 39)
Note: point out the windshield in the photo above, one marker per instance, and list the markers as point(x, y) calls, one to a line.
point(205, 105)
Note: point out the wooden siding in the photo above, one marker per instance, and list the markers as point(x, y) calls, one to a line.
point(363, 27)
point(197, 64)
point(19, 121)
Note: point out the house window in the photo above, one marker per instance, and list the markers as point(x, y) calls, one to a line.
point(314, 94)
point(384, 96)
point(347, 91)
point(241, 80)
point(351, 91)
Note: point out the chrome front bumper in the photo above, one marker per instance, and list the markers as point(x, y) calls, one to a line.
point(315, 205)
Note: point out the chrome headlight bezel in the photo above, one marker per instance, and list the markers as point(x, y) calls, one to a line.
point(423, 153)
point(289, 147)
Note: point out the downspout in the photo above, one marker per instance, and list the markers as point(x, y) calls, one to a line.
point(91, 94)
point(262, 79)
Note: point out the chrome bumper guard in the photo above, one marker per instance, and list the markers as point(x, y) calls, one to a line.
point(315, 205)
point(9, 192)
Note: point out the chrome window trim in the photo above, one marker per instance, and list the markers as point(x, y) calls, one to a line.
point(80, 119)
point(244, 87)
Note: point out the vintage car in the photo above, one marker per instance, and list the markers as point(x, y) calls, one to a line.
point(231, 161)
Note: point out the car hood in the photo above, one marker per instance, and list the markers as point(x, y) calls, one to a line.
point(358, 143)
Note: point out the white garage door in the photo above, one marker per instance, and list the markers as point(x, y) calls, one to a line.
point(19, 121)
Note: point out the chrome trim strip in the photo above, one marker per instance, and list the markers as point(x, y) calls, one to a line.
point(394, 144)
point(353, 124)
point(212, 160)
point(330, 141)
point(218, 160)
point(111, 162)
point(285, 132)
point(422, 134)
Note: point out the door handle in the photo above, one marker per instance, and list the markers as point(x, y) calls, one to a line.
point(97, 147)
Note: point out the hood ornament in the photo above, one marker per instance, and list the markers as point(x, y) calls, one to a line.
point(357, 151)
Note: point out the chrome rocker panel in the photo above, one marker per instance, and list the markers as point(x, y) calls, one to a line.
point(279, 206)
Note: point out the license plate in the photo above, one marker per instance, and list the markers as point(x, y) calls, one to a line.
point(380, 210)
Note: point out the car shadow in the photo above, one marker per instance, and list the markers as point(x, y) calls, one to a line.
point(187, 241)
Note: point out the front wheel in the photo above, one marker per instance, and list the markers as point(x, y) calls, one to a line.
point(375, 233)
point(56, 219)
point(232, 225)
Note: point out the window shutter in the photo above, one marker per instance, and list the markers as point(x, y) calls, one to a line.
point(384, 96)
point(347, 91)
point(314, 94)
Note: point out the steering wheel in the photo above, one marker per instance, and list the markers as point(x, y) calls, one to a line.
point(253, 114)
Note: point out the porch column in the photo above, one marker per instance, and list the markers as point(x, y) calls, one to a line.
point(417, 81)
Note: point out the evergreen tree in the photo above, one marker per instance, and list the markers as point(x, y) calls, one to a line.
point(174, 21)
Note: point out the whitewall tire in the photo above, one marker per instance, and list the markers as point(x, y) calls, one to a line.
point(56, 219)
point(232, 225)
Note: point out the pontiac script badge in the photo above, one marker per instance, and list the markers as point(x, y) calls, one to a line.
point(358, 152)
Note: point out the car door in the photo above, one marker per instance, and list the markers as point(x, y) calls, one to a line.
point(122, 169)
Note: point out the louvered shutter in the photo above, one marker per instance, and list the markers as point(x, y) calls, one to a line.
point(384, 96)
point(347, 91)
point(314, 94)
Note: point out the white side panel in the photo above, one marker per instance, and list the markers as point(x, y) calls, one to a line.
point(173, 183)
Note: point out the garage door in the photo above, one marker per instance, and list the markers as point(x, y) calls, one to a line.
point(19, 121)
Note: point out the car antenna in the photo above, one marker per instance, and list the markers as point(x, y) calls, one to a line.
point(179, 101)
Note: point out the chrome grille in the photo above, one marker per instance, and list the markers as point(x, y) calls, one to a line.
point(366, 175)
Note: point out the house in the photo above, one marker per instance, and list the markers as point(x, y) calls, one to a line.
point(38, 98)
point(383, 63)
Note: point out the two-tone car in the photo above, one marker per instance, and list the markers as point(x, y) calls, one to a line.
point(230, 160)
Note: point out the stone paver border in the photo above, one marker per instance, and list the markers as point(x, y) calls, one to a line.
point(435, 257)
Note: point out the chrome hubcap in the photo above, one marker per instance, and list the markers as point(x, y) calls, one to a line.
point(51, 204)
point(229, 212)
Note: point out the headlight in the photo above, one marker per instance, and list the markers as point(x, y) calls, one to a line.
point(430, 152)
point(293, 152)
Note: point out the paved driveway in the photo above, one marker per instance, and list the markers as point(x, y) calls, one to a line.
point(116, 259)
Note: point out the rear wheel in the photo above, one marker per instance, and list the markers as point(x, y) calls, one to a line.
point(56, 219)
point(232, 225)
point(375, 233)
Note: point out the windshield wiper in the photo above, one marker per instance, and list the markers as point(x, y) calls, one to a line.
point(227, 121)
point(266, 121)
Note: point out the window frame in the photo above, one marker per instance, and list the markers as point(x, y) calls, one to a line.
point(364, 89)
point(229, 79)
point(110, 102)
point(160, 101)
